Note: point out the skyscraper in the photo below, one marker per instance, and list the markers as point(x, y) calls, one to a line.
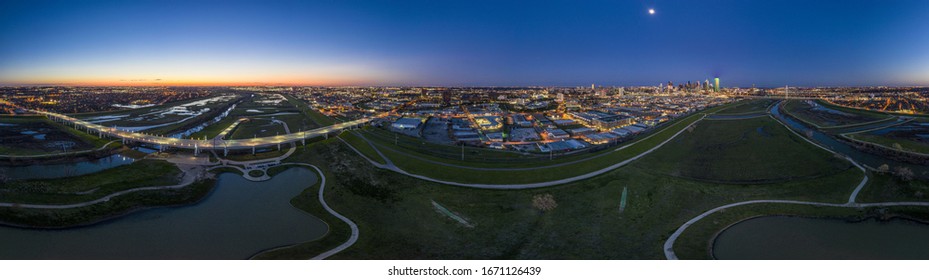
point(717, 84)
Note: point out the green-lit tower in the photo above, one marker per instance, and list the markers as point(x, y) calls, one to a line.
point(716, 88)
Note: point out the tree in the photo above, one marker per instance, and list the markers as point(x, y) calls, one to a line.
point(544, 202)
point(903, 173)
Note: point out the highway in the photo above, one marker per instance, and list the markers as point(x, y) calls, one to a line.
point(200, 144)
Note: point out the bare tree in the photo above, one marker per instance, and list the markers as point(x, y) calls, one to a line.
point(544, 202)
point(903, 173)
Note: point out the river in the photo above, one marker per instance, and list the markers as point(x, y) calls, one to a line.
point(828, 141)
point(238, 219)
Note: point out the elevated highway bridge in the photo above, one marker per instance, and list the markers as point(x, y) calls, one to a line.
point(198, 145)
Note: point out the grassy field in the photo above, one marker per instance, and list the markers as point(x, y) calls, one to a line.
point(317, 117)
point(78, 189)
point(397, 220)
point(758, 150)
point(823, 119)
point(121, 205)
point(88, 187)
point(749, 106)
point(256, 128)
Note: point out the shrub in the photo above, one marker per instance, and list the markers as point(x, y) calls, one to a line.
point(544, 202)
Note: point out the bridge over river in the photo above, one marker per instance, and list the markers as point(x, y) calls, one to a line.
point(199, 144)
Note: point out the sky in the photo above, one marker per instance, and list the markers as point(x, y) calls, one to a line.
point(465, 43)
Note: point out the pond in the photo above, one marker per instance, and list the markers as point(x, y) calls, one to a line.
point(237, 220)
point(784, 238)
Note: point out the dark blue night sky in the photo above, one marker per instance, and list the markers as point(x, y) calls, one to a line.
point(465, 43)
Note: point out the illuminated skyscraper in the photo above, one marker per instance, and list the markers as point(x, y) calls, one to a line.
point(717, 84)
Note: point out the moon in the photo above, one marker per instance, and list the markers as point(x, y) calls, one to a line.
point(651, 11)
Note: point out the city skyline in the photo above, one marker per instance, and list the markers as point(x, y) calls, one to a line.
point(144, 43)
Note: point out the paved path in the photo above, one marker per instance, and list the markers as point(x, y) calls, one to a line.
point(322, 187)
point(390, 166)
point(191, 174)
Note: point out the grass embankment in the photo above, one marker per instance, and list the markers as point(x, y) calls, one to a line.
point(93, 186)
point(88, 187)
point(362, 147)
point(461, 175)
point(118, 206)
point(758, 150)
point(398, 221)
point(892, 142)
point(308, 201)
point(748, 107)
point(823, 119)
point(887, 188)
